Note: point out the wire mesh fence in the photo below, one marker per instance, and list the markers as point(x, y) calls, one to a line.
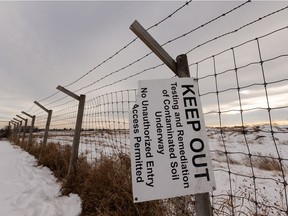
point(242, 101)
point(240, 87)
point(243, 90)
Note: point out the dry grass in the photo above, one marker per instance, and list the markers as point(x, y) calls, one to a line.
point(104, 187)
point(242, 203)
point(264, 163)
point(54, 156)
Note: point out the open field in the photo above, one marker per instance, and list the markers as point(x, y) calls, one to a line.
point(250, 164)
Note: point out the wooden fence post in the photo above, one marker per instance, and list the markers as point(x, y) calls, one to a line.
point(181, 68)
point(25, 128)
point(78, 127)
point(31, 129)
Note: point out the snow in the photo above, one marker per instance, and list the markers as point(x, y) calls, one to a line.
point(267, 188)
point(29, 190)
point(93, 144)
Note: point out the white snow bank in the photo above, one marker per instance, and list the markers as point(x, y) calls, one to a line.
point(28, 190)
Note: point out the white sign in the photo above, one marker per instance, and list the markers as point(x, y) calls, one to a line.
point(169, 146)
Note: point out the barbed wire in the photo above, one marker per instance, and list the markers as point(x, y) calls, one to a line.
point(151, 68)
point(49, 96)
point(238, 29)
point(241, 44)
point(143, 57)
point(121, 49)
point(249, 155)
point(170, 41)
point(109, 58)
point(242, 66)
point(107, 85)
point(207, 23)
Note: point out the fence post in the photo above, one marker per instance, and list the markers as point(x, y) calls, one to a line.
point(14, 129)
point(25, 128)
point(19, 130)
point(47, 123)
point(9, 130)
point(203, 204)
point(181, 69)
point(78, 126)
point(31, 129)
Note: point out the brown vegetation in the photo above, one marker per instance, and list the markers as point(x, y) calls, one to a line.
point(104, 187)
point(266, 163)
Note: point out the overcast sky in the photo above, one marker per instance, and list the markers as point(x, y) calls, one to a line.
point(46, 44)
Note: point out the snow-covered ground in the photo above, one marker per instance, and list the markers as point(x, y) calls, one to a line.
point(93, 144)
point(245, 183)
point(29, 190)
point(259, 179)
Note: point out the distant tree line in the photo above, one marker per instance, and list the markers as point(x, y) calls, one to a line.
point(4, 132)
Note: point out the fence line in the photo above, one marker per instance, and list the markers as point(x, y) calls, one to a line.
point(105, 125)
point(262, 76)
point(242, 90)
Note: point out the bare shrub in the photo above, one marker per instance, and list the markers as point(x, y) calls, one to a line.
point(242, 203)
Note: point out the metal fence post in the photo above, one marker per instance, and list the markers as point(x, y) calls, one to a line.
point(25, 128)
point(19, 130)
point(203, 204)
point(14, 129)
point(31, 129)
point(181, 69)
point(77, 133)
point(9, 130)
point(47, 123)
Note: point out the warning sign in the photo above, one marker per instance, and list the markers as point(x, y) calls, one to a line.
point(169, 146)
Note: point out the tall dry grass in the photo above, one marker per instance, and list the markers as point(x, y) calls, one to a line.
point(105, 186)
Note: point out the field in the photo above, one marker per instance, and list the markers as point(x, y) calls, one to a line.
point(250, 164)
